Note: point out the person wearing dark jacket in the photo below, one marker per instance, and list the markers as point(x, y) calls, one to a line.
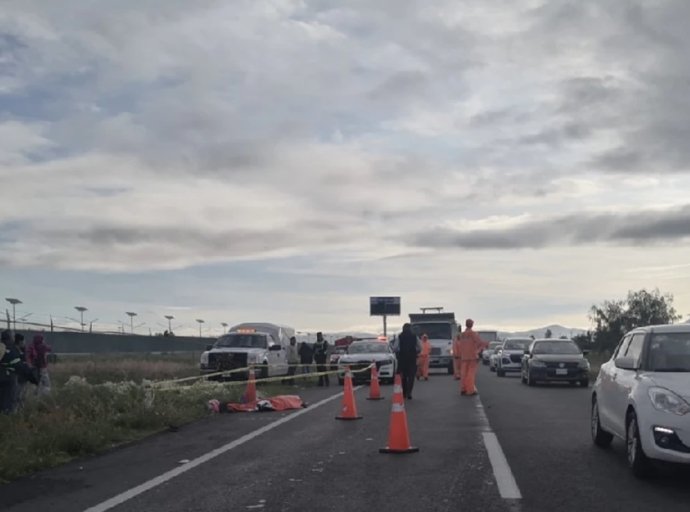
point(37, 356)
point(11, 366)
point(320, 358)
point(306, 356)
point(407, 348)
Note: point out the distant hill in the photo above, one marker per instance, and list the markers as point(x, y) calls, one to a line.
point(556, 332)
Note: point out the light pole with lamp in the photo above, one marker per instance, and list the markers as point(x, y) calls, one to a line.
point(81, 310)
point(14, 303)
point(131, 316)
point(200, 322)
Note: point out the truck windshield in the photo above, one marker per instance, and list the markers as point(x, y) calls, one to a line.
point(243, 341)
point(435, 331)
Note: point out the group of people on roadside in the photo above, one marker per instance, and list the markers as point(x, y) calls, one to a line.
point(305, 356)
point(413, 358)
point(19, 366)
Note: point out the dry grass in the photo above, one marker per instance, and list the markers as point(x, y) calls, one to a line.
point(97, 370)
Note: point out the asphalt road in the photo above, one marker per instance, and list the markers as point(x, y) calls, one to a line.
point(310, 461)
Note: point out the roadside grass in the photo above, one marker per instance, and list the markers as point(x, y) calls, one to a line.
point(101, 403)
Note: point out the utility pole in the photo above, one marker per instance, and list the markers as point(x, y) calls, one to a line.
point(81, 310)
point(131, 316)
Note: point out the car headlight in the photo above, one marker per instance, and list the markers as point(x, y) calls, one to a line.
point(667, 401)
point(204, 359)
point(584, 364)
point(538, 364)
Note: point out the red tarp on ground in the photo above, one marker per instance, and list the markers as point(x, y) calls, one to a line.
point(276, 403)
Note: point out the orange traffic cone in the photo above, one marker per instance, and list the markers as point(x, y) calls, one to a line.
point(398, 435)
point(374, 388)
point(349, 409)
point(250, 393)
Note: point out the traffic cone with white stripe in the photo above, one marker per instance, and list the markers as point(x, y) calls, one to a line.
point(398, 435)
point(250, 393)
point(374, 388)
point(349, 408)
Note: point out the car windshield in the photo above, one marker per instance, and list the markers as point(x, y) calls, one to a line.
point(556, 347)
point(368, 348)
point(670, 352)
point(516, 344)
point(435, 331)
point(242, 341)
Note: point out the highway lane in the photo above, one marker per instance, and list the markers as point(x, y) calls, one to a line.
point(314, 462)
point(544, 432)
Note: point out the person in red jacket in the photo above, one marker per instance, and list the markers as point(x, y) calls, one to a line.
point(469, 344)
point(37, 357)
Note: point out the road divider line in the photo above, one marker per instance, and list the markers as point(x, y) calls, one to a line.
point(507, 486)
point(169, 475)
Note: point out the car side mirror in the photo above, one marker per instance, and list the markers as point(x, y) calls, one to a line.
point(626, 363)
point(209, 347)
point(275, 348)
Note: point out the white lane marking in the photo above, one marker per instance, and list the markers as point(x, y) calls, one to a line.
point(507, 486)
point(169, 475)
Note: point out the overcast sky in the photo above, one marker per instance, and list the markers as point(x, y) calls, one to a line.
point(515, 161)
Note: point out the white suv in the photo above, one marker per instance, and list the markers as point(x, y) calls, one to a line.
point(642, 396)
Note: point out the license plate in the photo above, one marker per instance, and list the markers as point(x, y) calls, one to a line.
point(562, 371)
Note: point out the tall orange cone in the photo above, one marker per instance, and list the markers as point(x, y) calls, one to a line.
point(250, 393)
point(398, 435)
point(374, 388)
point(349, 408)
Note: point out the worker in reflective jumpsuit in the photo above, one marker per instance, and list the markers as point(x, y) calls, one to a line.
point(469, 344)
point(423, 359)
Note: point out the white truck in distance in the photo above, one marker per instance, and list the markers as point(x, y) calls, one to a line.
point(247, 344)
point(441, 329)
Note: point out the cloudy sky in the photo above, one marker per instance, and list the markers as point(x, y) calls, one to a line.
point(283, 160)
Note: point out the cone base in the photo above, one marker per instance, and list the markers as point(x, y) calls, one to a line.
point(376, 398)
point(348, 418)
point(411, 449)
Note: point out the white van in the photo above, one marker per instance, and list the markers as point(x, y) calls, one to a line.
point(247, 344)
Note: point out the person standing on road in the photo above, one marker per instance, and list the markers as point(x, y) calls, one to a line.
point(470, 344)
point(456, 357)
point(423, 359)
point(407, 348)
point(306, 356)
point(320, 358)
point(292, 359)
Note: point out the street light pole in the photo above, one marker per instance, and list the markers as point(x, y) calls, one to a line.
point(169, 317)
point(200, 322)
point(81, 310)
point(131, 316)
point(225, 327)
point(14, 303)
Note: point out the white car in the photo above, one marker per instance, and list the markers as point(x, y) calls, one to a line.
point(509, 356)
point(488, 352)
point(361, 354)
point(642, 396)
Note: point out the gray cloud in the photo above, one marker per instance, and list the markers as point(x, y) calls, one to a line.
point(645, 228)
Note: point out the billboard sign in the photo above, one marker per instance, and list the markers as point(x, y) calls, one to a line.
point(384, 306)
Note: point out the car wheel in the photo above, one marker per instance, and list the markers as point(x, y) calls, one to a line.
point(530, 381)
point(637, 460)
point(600, 437)
point(500, 372)
point(451, 370)
point(264, 371)
point(584, 383)
point(492, 368)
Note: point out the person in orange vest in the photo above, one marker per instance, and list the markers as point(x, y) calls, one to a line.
point(423, 359)
point(456, 357)
point(470, 344)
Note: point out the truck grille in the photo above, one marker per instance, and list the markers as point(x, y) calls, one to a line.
point(558, 365)
point(515, 358)
point(435, 351)
point(227, 361)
